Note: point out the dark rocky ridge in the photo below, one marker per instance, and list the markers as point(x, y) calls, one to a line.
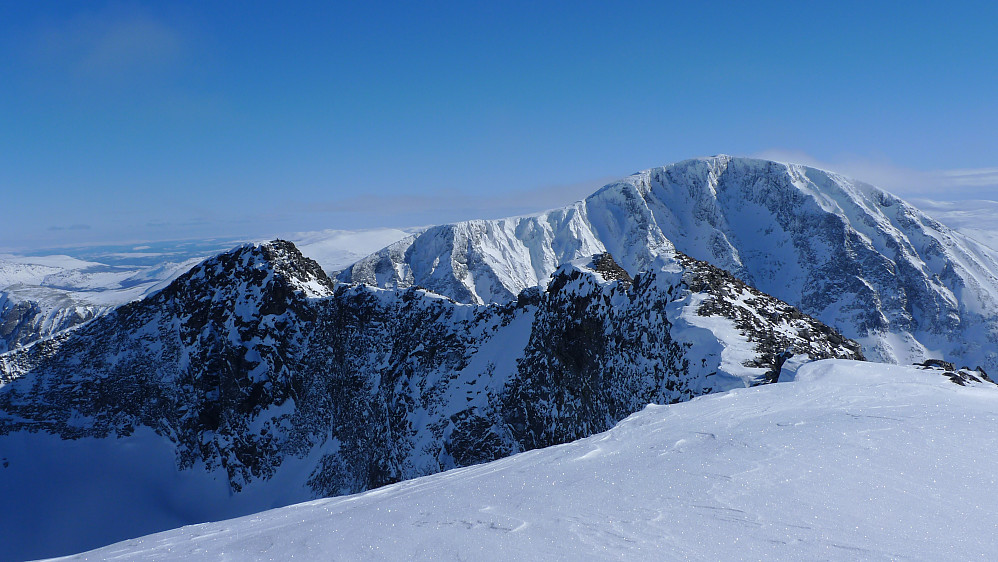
point(255, 357)
point(773, 346)
point(605, 265)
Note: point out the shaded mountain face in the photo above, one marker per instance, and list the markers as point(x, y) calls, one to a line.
point(855, 257)
point(255, 358)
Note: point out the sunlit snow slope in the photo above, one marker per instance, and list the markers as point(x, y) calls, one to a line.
point(843, 251)
point(850, 461)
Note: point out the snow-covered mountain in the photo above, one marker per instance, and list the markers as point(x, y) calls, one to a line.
point(41, 295)
point(252, 380)
point(850, 461)
point(38, 300)
point(864, 261)
point(265, 384)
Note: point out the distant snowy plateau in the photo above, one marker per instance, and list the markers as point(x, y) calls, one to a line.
point(492, 380)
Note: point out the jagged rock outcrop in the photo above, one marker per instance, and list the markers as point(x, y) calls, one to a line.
point(962, 376)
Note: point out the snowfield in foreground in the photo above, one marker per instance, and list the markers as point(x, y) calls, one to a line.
point(848, 461)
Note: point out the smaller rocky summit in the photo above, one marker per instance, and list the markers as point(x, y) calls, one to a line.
point(255, 356)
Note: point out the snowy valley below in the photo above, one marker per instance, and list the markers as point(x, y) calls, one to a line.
point(590, 382)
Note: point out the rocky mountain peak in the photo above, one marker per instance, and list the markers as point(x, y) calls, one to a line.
point(258, 265)
point(252, 371)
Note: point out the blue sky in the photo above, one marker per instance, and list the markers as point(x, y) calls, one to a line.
point(131, 121)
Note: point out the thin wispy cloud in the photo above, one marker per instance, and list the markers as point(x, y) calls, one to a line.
point(462, 204)
point(956, 184)
point(981, 177)
point(109, 46)
point(71, 227)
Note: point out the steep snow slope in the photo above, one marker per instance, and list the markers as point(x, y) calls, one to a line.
point(267, 385)
point(977, 219)
point(849, 461)
point(843, 251)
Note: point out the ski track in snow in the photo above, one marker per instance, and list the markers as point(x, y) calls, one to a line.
point(850, 461)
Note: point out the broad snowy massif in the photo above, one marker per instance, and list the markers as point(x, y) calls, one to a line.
point(857, 258)
point(252, 380)
point(850, 461)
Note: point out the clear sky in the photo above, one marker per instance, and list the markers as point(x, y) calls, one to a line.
point(129, 121)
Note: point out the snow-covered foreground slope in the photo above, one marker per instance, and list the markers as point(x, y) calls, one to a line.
point(843, 251)
point(850, 461)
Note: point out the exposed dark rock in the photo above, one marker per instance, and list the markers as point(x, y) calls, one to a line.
point(758, 319)
point(605, 265)
point(938, 364)
point(962, 376)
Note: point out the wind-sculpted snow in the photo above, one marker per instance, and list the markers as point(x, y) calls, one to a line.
point(254, 370)
point(842, 251)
